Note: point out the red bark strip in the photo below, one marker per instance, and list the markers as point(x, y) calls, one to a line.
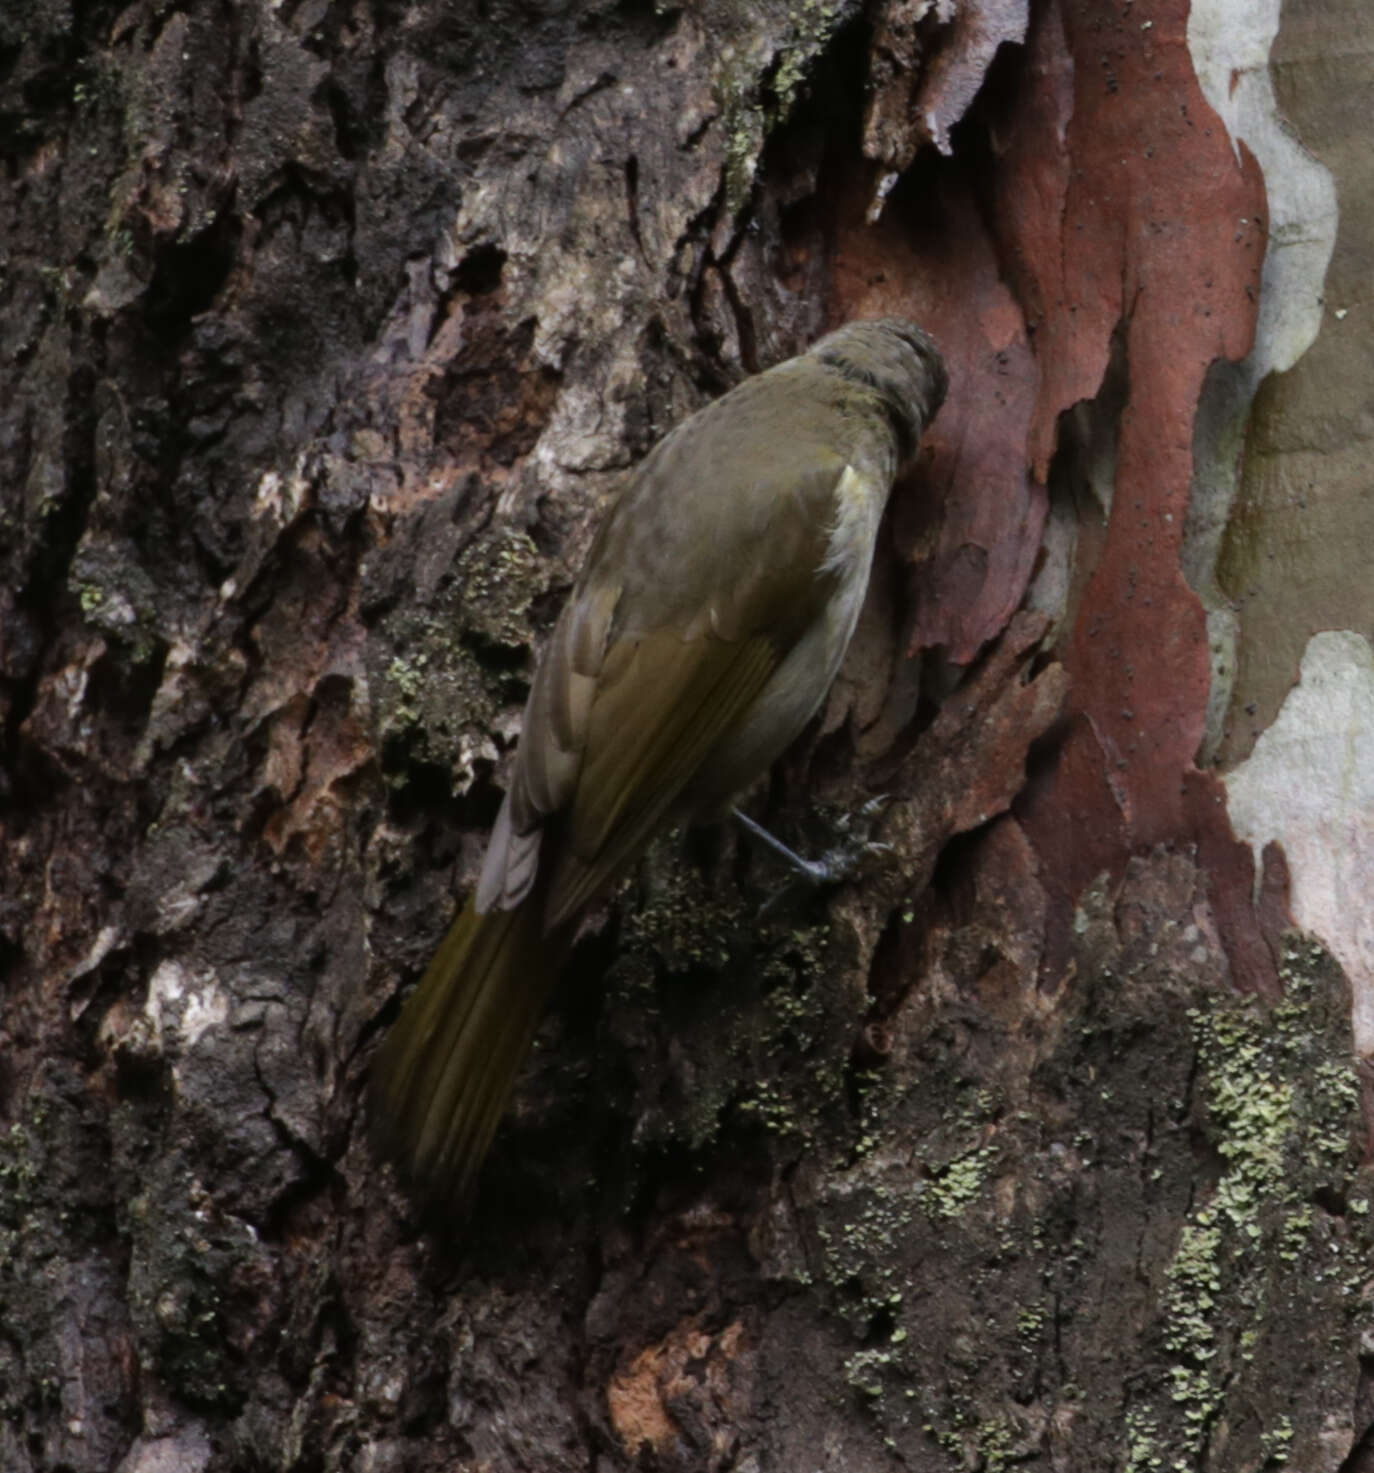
point(1121, 208)
point(972, 554)
point(1160, 227)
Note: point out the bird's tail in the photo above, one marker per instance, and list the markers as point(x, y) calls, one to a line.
point(442, 1079)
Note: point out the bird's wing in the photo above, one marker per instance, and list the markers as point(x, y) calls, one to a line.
point(638, 684)
point(668, 690)
point(552, 743)
point(665, 702)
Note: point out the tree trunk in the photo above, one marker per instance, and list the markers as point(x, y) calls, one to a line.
point(327, 331)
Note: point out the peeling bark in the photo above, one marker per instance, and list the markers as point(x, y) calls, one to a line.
point(327, 331)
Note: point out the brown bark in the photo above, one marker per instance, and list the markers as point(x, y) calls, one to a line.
point(326, 331)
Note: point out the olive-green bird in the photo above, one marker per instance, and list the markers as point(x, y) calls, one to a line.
point(715, 606)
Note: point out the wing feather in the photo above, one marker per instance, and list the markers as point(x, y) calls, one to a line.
point(646, 672)
point(550, 754)
point(650, 730)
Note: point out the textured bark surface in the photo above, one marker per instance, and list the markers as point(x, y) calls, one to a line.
point(325, 332)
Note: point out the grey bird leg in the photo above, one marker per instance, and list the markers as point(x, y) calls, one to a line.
point(836, 864)
point(817, 871)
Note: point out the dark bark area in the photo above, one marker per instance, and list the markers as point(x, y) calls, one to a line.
point(325, 330)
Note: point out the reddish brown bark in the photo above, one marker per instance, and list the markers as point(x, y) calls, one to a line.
point(327, 332)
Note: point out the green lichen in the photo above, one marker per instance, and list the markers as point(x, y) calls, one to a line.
point(1279, 1111)
point(996, 1442)
point(1030, 1321)
point(1143, 1454)
point(407, 679)
point(1276, 1442)
point(495, 578)
point(959, 1183)
point(901, 1191)
point(865, 1371)
point(683, 924)
point(751, 103)
point(742, 119)
point(1272, 1094)
point(814, 22)
point(692, 948)
point(451, 673)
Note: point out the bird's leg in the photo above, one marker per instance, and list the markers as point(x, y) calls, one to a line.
point(837, 863)
point(817, 871)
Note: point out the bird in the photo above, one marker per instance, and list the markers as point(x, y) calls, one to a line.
point(705, 628)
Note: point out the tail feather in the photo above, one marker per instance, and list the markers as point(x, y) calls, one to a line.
point(442, 1079)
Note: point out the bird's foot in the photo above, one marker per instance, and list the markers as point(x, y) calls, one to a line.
point(849, 848)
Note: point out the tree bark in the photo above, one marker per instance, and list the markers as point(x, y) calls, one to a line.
point(327, 331)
